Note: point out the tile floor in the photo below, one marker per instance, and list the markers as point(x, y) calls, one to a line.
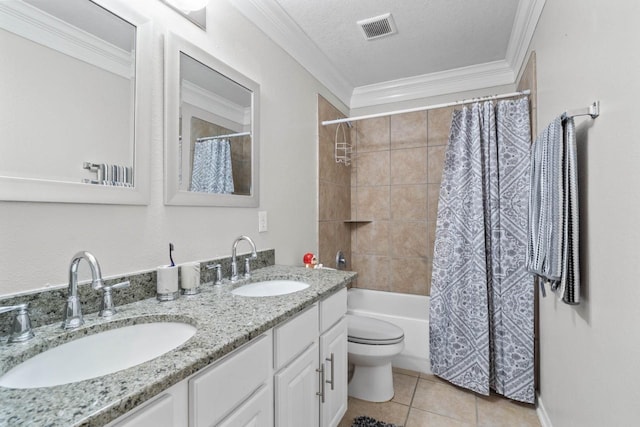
point(423, 400)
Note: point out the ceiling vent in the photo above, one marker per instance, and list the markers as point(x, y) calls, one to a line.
point(379, 26)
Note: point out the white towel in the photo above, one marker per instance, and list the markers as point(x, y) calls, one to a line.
point(553, 249)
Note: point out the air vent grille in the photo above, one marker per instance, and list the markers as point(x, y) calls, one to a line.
point(379, 26)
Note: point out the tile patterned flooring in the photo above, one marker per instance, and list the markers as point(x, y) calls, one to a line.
point(423, 400)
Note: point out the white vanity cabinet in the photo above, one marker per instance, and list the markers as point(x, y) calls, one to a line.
point(294, 375)
point(168, 409)
point(234, 388)
point(308, 350)
point(333, 358)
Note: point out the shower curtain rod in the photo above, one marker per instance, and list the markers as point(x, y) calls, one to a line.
point(429, 107)
point(229, 135)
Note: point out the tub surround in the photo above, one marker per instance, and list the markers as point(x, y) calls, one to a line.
point(47, 305)
point(224, 322)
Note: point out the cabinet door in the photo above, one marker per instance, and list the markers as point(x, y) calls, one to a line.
point(257, 411)
point(169, 409)
point(296, 401)
point(333, 354)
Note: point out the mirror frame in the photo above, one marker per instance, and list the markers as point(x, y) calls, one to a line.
point(173, 195)
point(41, 190)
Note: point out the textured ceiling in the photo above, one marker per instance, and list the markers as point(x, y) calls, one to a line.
point(433, 35)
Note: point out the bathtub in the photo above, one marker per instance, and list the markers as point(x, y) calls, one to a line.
point(410, 312)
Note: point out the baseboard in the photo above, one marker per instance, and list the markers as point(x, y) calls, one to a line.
point(543, 417)
point(418, 364)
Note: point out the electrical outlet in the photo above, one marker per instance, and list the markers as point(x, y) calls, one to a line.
point(262, 221)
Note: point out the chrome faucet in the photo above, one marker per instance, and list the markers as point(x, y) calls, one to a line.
point(234, 262)
point(73, 310)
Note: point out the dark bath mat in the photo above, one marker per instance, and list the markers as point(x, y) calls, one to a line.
point(370, 422)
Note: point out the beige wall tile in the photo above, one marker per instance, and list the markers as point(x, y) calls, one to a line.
point(373, 203)
point(373, 271)
point(439, 124)
point(408, 239)
point(373, 168)
point(445, 399)
point(429, 275)
point(372, 134)
point(327, 233)
point(409, 275)
point(409, 130)
point(435, 163)
point(433, 194)
point(408, 202)
point(372, 238)
point(431, 237)
point(334, 202)
point(409, 166)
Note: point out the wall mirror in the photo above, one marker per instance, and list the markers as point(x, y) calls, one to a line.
point(72, 124)
point(212, 132)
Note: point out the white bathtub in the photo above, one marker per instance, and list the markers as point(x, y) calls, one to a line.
point(410, 312)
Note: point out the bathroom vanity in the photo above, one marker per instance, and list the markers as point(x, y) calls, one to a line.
point(278, 360)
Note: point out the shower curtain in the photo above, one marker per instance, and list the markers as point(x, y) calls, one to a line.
point(212, 171)
point(482, 298)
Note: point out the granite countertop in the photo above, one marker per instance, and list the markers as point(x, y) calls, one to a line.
point(224, 322)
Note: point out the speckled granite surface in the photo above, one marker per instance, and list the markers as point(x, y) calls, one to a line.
point(224, 322)
point(47, 306)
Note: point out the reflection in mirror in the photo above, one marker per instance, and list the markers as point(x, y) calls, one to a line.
point(68, 106)
point(211, 142)
point(215, 124)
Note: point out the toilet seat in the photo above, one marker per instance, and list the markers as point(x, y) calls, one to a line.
point(370, 331)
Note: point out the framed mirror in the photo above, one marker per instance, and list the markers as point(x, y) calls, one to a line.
point(211, 130)
point(74, 86)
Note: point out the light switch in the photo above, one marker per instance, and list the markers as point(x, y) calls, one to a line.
point(262, 221)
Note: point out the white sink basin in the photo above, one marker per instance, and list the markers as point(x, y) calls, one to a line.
point(270, 288)
point(98, 354)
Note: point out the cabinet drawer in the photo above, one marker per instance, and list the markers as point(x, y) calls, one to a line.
point(294, 336)
point(257, 411)
point(220, 388)
point(332, 309)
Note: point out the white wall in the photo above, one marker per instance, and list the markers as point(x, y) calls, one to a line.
point(590, 354)
point(37, 240)
point(47, 107)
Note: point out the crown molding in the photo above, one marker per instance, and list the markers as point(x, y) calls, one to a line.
point(216, 104)
point(433, 84)
point(269, 17)
point(524, 26)
point(32, 24)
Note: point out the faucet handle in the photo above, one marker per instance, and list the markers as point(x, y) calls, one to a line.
point(21, 328)
point(218, 268)
point(108, 308)
point(247, 267)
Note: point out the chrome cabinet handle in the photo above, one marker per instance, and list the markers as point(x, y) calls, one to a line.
point(321, 392)
point(332, 360)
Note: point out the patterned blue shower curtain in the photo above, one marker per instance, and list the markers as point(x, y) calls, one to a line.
point(212, 172)
point(482, 298)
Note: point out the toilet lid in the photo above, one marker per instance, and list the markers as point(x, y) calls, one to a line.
point(367, 330)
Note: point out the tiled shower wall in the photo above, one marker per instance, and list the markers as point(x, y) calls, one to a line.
point(395, 183)
point(334, 206)
point(394, 188)
point(390, 191)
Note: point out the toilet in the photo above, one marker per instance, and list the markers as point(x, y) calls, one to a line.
point(372, 345)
